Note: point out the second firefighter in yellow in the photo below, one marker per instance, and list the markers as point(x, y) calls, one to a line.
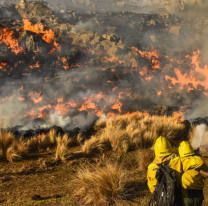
point(192, 180)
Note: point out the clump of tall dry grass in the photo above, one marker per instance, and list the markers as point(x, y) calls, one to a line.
point(11, 148)
point(22, 147)
point(33, 143)
point(6, 140)
point(43, 141)
point(39, 142)
point(52, 136)
point(137, 130)
point(100, 124)
point(144, 158)
point(61, 148)
point(95, 145)
point(102, 186)
point(12, 154)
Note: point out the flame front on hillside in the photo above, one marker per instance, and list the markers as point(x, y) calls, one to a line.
point(55, 86)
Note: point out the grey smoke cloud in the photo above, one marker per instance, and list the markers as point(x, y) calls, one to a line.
point(200, 136)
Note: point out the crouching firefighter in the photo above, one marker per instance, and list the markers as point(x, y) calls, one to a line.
point(194, 169)
point(164, 176)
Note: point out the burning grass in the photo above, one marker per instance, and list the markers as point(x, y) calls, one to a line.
point(137, 130)
point(102, 186)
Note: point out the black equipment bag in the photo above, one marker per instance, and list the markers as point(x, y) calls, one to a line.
point(166, 191)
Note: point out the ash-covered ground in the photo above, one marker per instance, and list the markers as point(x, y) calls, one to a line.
point(69, 64)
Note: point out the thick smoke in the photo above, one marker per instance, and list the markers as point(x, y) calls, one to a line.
point(200, 136)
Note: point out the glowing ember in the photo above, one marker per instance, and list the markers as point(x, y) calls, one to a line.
point(64, 60)
point(159, 93)
point(35, 65)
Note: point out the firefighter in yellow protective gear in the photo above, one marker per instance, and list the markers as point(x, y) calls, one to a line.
point(192, 179)
point(163, 153)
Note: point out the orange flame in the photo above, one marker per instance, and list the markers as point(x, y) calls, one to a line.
point(7, 37)
point(179, 115)
point(21, 99)
point(62, 109)
point(159, 93)
point(151, 55)
point(36, 97)
point(35, 65)
point(118, 105)
point(61, 99)
point(64, 60)
point(47, 35)
point(88, 104)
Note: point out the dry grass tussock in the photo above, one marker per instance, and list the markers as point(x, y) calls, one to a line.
point(102, 186)
point(61, 148)
point(22, 147)
point(52, 136)
point(76, 140)
point(12, 154)
point(144, 158)
point(133, 131)
point(100, 124)
point(6, 140)
point(11, 148)
point(96, 145)
point(43, 141)
point(39, 142)
point(33, 143)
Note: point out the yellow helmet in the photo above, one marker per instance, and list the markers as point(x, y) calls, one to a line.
point(162, 147)
point(185, 149)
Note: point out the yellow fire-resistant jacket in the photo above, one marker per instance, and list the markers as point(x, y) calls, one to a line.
point(175, 164)
point(191, 178)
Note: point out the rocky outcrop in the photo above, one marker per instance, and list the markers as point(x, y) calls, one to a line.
point(33, 42)
point(36, 10)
